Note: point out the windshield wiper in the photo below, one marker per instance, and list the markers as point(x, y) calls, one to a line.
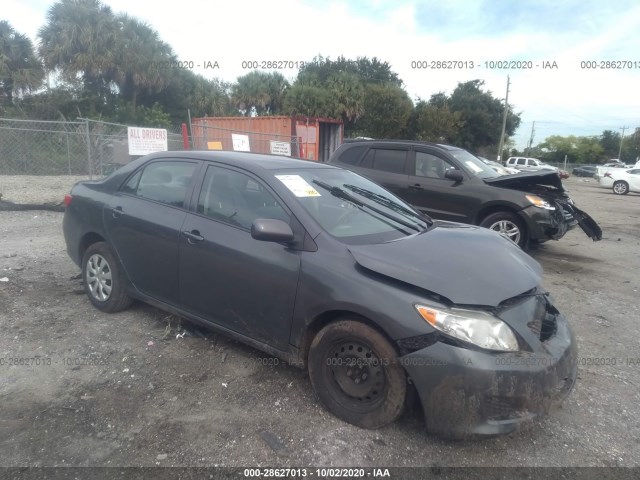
point(387, 202)
point(340, 193)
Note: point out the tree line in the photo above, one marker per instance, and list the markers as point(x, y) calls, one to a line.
point(92, 62)
point(586, 149)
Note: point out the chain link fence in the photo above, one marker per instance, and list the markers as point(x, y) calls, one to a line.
point(38, 147)
point(81, 148)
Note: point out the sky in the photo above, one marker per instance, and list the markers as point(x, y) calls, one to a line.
point(476, 36)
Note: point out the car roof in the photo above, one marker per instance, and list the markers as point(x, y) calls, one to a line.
point(399, 142)
point(248, 160)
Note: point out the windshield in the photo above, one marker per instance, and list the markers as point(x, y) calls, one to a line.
point(473, 164)
point(352, 208)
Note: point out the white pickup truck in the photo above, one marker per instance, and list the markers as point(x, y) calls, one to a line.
point(528, 164)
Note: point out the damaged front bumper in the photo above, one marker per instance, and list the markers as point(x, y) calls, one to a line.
point(554, 224)
point(467, 392)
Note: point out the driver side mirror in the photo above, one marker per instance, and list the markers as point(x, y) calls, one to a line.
point(455, 175)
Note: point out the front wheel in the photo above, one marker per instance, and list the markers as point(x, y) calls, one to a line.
point(103, 279)
point(507, 224)
point(620, 187)
point(356, 374)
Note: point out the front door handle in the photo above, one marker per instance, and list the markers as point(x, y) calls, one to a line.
point(116, 212)
point(193, 236)
point(416, 186)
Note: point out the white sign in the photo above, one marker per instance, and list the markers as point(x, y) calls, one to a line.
point(143, 141)
point(240, 142)
point(298, 186)
point(280, 148)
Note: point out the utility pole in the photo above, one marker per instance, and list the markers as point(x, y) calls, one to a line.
point(621, 138)
point(504, 121)
point(533, 130)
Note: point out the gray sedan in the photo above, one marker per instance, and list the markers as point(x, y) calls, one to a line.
point(329, 271)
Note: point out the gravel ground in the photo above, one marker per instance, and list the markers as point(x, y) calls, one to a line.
point(123, 390)
point(35, 189)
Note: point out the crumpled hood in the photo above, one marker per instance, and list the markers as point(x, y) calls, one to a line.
point(526, 180)
point(466, 264)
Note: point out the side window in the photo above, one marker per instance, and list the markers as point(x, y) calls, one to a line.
point(428, 165)
point(237, 199)
point(367, 161)
point(522, 161)
point(352, 155)
point(164, 182)
point(393, 161)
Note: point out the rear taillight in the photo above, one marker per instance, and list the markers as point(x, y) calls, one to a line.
point(67, 200)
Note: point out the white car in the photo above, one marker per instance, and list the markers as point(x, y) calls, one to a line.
point(499, 168)
point(622, 181)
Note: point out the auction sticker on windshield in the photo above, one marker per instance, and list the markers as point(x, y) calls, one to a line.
point(298, 186)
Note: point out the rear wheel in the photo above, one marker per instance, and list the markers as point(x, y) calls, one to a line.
point(356, 374)
point(509, 225)
point(620, 187)
point(103, 279)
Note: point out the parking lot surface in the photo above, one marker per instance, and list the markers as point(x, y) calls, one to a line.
point(84, 388)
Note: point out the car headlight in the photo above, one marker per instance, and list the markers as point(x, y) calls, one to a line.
point(539, 202)
point(473, 326)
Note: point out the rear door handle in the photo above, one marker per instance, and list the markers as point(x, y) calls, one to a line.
point(116, 212)
point(193, 236)
point(416, 186)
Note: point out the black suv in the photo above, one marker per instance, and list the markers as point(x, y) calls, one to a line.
point(449, 183)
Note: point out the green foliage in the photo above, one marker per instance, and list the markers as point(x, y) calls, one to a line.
point(80, 40)
point(434, 121)
point(311, 100)
point(142, 61)
point(576, 149)
point(349, 89)
point(321, 69)
point(20, 69)
point(387, 109)
point(130, 114)
point(481, 115)
point(261, 91)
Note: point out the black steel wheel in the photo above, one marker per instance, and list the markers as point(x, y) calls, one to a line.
point(356, 374)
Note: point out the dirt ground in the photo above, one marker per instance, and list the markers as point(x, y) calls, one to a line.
point(86, 388)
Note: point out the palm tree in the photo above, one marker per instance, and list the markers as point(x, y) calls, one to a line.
point(79, 40)
point(143, 61)
point(277, 87)
point(349, 92)
point(209, 97)
point(20, 69)
point(251, 90)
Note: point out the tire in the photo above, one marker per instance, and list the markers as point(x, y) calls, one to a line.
point(356, 374)
point(103, 279)
point(508, 224)
point(620, 187)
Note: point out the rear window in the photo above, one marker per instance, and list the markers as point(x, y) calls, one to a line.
point(352, 155)
point(386, 160)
